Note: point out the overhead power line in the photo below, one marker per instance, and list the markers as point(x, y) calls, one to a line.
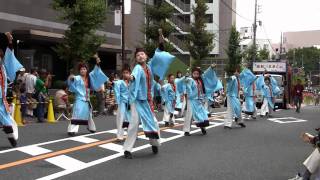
point(227, 5)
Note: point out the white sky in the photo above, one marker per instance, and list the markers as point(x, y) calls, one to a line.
point(280, 16)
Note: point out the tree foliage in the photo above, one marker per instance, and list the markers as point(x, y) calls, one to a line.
point(307, 57)
point(156, 16)
point(84, 17)
point(264, 54)
point(200, 41)
point(233, 52)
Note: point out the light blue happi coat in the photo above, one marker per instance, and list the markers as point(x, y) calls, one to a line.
point(169, 96)
point(180, 91)
point(249, 98)
point(196, 98)
point(210, 81)
point(247, 80)
point(139, 96)
point(156, 89)
point(160, 63)
point(270, 91)
point(121, 92)
point(82, 110)
point(9, 68)
point(233, 95)
point(275, 88)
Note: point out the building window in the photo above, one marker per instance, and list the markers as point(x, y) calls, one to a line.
point(209, 18)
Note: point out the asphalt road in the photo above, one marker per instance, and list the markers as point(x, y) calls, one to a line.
point(267, 149)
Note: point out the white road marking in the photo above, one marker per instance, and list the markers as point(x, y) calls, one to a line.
point(54, 141)
point(34, 150)
point(66, 162)
point(85, 140)
point(173, 131)
point(113, 147)
point(291, 120)
point(108, 158)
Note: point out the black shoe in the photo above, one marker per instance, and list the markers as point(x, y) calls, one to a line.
point(119, 140)
point(127, 155)
point(13, 142)
point(242, 125)
point(155, 149)
point(203, 130)
point(91, 131)
point(71, 133)
point(236, 119)
point(253, 117)
point(187, 134)
point(166, 124)
point(227, 127)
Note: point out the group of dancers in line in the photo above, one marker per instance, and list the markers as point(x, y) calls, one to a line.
point(134, 96)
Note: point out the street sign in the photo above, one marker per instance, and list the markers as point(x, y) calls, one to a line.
point(269, 66)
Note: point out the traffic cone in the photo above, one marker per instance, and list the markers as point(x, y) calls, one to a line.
point(14, 99)
point(50, 117)
point(17, 113)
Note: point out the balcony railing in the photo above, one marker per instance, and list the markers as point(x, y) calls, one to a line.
point(181, 5)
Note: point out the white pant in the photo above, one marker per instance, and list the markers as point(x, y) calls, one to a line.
point(72, 128)
point(245, 109)
point(15, 133)
point(187, 118)
point(166, 116)
point(206, 105)
point(133, 131)
point(119, 120)
point(265, 108)
point(184, 103)
point(228, 118)
point(312, 163)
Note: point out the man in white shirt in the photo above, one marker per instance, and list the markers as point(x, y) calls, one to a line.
point(30, 87)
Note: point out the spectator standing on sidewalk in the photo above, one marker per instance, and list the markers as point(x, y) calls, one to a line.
point(101, 99)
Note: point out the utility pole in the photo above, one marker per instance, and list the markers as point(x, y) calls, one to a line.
point(254, 34)
point(281, 45)
point(123, 55)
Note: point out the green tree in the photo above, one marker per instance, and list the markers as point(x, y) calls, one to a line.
point(248, 55)
point(264, 54)
point(307, 57)
point(156, 16)
point(233, 52)
point(80, 42)
point(200, 41)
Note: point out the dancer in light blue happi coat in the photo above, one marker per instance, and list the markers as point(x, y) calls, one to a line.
point(233, 102)
point(168, 94)
point(247, 79)
point(121, 91)
point(180, 97)
point(81, 85)
point(141, 98)
point(269, 89)
point(196, 88)
point(9, 65)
